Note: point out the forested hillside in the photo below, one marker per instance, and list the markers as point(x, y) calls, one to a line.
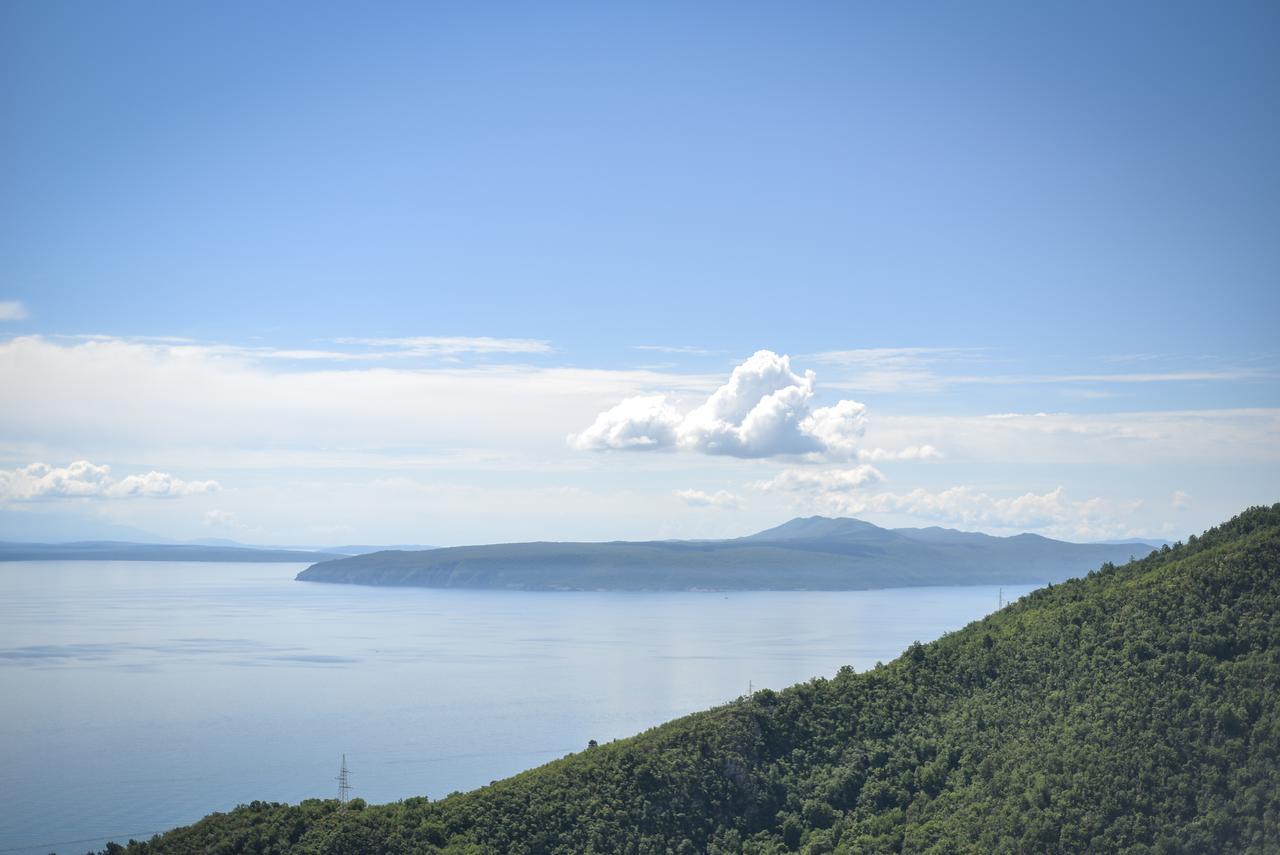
point(1135, 710)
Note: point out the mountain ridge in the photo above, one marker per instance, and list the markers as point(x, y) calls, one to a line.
point(806, 553)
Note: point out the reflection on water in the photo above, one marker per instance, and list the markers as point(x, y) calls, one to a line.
point(135, 696)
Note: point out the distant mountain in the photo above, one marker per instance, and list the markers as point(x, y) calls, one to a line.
point(1145, 541)
point(812, 553)
point(350, 549)
point(114, 550)
point(822, 528)
point(35, 527)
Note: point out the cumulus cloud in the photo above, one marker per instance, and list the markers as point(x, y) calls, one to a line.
point(764, 410)
point(40, 480)
point(820, 483)
point(646, 422)
point(83, 479)
point(160, 485)
point(698, 499)
point(12, 310)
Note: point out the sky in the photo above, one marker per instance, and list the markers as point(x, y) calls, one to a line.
point(323, 274)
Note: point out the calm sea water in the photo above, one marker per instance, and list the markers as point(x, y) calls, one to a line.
point(139, 696)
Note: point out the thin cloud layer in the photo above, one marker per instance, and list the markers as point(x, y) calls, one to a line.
point(453, 345)
point(911, 452)
point(840, 492)
point(83, 479)
point(1053, 511)
point(764, 410)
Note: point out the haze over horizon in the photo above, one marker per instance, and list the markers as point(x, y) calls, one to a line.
point(437, 276)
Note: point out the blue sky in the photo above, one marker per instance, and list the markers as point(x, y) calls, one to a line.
point(285, 225)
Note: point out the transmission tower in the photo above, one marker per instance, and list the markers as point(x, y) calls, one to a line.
point(344, 786)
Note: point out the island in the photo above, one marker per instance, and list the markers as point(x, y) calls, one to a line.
point(810, 553)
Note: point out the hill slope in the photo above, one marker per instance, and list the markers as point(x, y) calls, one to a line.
point(815, 553)
point(1136, 710)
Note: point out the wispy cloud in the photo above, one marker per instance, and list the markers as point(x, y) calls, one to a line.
point(934, 369)
point(1193, 376)
point(895, 357)
point(911, 452)
point(12, 310)
point(453, 345)
point(348, 350)
point(218, 518)
point(186, 400)
point(1131, 438)
point(845, 492)
point(683, 349)
point(1053, 512)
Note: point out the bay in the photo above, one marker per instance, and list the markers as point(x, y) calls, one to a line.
point(136, 696)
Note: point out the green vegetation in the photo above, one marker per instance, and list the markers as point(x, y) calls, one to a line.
point(815, 554)
point(1135, 710)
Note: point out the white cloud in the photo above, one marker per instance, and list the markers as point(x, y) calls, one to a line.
point(822, 483)
point(188, 401)
point(1180, 500)
point(454, 345)
point(924, 370)
point(837, 428)
point(160, 485)
point(894, 369)
point(911, 452)
point(680, 349)
point(12, 310)
point(83, 479)
point(1163, 436)
point(218, 518)
point(642, 423)
point(764, 410)
point(1054, 513)
point(844, 492)
point(698, 499)
point(40, 480)
point(447, 349)
point(895, 357)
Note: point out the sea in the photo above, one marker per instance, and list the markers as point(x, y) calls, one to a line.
point(139, 696)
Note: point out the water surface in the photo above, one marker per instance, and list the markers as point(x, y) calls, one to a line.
point(135, 696)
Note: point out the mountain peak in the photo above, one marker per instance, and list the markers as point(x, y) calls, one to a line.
point(816, 527)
